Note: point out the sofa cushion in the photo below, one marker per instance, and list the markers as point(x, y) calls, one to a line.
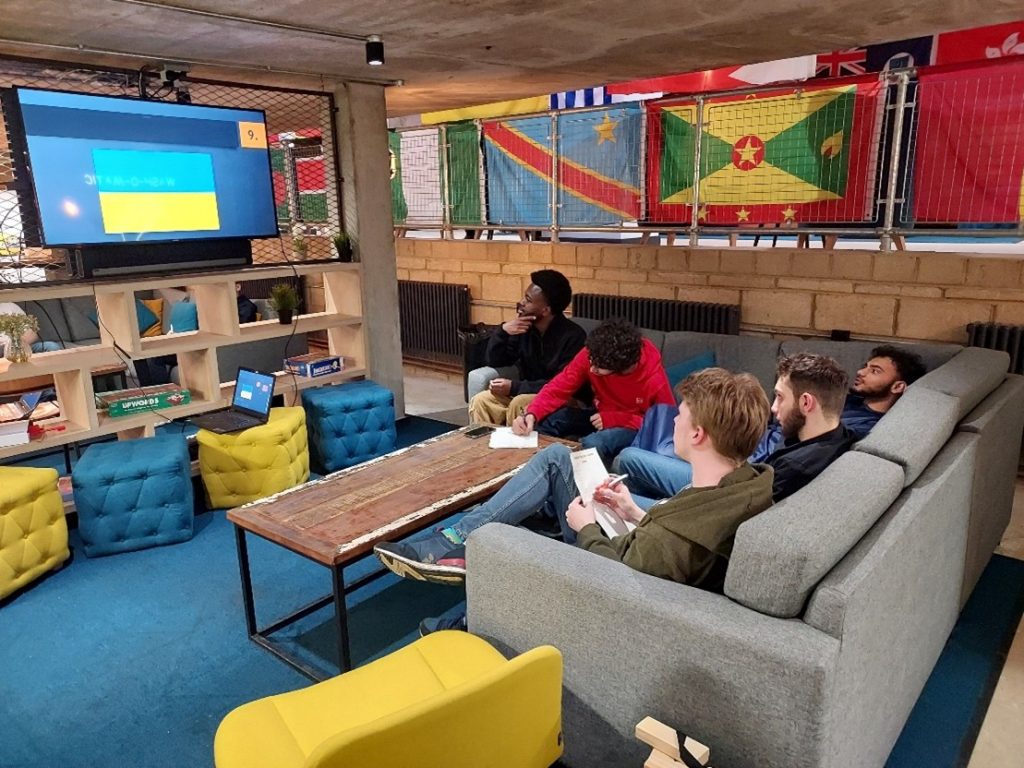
point(676, 373)
point(969, 377)
point(80, 312)
point(780, 555)
point(182, 317)
point(914, 430)
point(53, 326)
point(752, 354)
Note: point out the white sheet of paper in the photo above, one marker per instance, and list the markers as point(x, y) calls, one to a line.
point(589, 472)
point(503, 437)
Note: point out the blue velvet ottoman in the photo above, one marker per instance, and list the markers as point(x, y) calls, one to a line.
point(348, 424)
point(133, 494)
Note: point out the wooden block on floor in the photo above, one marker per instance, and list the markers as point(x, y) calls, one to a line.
point(664, 739)
point(661, 760)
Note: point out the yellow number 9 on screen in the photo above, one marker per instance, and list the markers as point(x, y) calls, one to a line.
point(253, 135)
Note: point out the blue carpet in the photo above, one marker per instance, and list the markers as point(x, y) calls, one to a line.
point(133, 660)
point(944, 723)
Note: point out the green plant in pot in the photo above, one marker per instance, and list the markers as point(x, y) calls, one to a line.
point(300, 246)
point(284, 300)
point(14, 327)
point(343, 245)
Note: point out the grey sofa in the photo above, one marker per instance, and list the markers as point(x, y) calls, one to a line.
point(837, 601)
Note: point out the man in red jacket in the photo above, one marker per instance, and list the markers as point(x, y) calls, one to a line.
point(624, 372)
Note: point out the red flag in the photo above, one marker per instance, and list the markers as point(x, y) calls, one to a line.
point(969, 155)
point(994, 42)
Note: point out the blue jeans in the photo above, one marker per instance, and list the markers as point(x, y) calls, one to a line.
point(652, 474)
point(45, 346)
point(575, 422)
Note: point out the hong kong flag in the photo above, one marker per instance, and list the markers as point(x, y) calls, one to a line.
point(995, 42)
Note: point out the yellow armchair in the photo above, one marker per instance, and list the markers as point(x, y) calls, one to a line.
point(448, 700)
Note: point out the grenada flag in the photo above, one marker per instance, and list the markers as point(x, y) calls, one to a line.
point(794, 155)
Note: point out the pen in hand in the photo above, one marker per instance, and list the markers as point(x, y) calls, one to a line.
point(614, 480)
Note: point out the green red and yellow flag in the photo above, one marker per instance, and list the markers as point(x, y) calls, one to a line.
point(796, 155)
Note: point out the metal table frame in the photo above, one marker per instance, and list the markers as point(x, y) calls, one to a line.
point(338, 592)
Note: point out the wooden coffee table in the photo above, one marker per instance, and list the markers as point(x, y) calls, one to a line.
point(341, 517)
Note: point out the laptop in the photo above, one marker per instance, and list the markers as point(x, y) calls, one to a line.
point(250, 405)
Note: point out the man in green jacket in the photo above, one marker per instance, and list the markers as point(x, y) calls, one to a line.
point(688, 538)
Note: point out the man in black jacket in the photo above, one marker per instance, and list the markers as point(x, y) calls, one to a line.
point(540, 341)
point(809, 397)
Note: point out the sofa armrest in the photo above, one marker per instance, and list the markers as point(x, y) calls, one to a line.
point(753, 686)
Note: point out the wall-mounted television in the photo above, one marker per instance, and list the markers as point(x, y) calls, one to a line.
point(114, 171)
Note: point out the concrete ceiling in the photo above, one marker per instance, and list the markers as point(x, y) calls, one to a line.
point(452, 53)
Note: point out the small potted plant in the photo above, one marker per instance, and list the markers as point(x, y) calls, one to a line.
point(13, 327)
point(299, 246)
point(284, 300)
point(343, 245)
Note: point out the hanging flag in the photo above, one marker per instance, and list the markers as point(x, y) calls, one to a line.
point(598, 168)
point(399, 209)
point(311, 184)
point(778, 157)
point(723, 78)
point(913, 52)
point(994, 42)
point(484, 111)
point(464, 174)
point(418, 172)
point(583, 97)
point(519, 165)
point(280, 185)
point(969, 157)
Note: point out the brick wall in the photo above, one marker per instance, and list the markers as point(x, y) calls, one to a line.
point(904, 295)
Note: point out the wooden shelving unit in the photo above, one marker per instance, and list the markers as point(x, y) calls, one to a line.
point(214, 294)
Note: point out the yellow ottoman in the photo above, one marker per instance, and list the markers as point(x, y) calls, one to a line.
point(449, 700)
point(257, 462)
point(33, 531)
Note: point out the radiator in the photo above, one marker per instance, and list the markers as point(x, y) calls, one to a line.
point(1008, 338)
point(660, 314)
point(429, 316)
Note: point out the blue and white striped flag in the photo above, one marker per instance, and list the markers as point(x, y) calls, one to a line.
point(584, 97)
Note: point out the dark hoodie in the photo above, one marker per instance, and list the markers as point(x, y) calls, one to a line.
point(689, 537)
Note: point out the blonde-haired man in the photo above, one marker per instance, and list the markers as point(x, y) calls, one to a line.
point(688, 538)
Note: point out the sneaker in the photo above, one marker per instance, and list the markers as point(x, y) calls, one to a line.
point(403, 560)
point(457, 623)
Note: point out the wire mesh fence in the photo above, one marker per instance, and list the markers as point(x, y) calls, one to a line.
point(300, 139)
point(968, 147)
point(897, 152)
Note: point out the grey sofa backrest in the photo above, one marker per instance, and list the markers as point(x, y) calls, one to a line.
point(780, 555)
point(751, 354)
point(657, 338)
point(914, 430)
point(893, 601)
point(852, 355)
point(969, 377)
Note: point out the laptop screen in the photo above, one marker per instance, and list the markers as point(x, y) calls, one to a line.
point(253, 391)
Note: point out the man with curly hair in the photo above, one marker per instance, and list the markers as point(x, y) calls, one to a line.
point(624, 372)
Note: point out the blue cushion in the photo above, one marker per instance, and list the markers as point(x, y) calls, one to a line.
point(184, 317)
point(144, 316)
point(679, 371)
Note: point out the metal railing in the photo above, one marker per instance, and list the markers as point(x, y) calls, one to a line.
point(938, 151)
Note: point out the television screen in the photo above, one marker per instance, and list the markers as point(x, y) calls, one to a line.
point(117, 170)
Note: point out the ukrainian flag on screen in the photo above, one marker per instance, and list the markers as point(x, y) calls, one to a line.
point(155, 191)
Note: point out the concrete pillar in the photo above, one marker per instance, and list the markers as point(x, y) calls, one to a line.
point(361, 128)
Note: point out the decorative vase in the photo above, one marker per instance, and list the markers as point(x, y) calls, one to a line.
point(284, 316)
point(17, 351)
